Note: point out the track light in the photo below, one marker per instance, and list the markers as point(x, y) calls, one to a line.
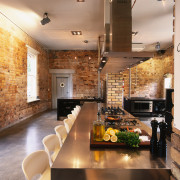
point(157, 46)
point(45, 19)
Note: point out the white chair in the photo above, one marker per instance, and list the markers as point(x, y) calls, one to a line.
point(72, 117)
point(61, 133)
point(78, 107)
point(74, 112)
point(37, 163)
point(77, 110)
point(68, 124)
point(51, 146)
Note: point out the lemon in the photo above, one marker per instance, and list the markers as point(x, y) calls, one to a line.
point(114, 138)
point(108, 130)
point(112, 132)
point(116, 130)
point(106, 137)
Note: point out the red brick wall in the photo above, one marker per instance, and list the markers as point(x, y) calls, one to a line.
point(85, 78)
point(13, 75)
point(146, 79)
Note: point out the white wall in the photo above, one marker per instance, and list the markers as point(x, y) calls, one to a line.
point(177, 67)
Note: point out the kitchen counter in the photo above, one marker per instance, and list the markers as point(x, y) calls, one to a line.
point(144, 99)
point(77, 161)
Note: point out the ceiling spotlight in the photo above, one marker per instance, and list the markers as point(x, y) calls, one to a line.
point(157, 46)
point(45, 19)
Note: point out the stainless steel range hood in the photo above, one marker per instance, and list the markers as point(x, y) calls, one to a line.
point(118, 37)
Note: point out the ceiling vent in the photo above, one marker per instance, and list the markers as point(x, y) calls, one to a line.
point(118, 26)
point(118, 46)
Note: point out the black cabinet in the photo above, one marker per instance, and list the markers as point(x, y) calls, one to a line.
point(168, 111)
point(65, 106)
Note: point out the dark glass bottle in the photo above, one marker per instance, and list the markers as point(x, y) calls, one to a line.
point(162, 146)
point(154, 140)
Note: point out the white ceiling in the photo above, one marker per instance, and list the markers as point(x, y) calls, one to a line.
point(151, 18)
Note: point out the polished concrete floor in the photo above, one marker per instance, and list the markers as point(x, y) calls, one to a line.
point(22, 139)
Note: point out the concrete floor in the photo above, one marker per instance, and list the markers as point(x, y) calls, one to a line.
point(20, 140)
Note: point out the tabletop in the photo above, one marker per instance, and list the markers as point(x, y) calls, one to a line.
point(76, 159)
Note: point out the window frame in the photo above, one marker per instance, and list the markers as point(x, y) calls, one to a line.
point(35, 53)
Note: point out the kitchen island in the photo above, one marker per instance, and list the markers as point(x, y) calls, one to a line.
point(77, 161)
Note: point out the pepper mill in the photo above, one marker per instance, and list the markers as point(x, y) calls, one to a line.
point(154, 140)
point(162, 146)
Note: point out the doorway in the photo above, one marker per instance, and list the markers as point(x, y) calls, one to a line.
point(62, 85)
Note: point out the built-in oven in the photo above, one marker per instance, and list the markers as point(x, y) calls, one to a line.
point(141, 106)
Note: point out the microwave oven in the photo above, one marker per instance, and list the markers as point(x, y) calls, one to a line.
point(141, 106)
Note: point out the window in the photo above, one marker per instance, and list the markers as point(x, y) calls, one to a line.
point(32, 57)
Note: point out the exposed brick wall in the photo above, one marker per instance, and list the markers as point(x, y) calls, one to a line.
point(13, 75)
point(115, 89)
point(146, 79)
point(85, 78)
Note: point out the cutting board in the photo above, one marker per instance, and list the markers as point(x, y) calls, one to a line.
point(109, 144)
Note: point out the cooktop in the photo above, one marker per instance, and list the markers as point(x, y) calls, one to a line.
point(112, 111)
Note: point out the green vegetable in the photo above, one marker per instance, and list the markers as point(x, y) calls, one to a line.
point(129, 138)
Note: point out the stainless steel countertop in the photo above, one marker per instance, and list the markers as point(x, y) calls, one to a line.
point(77, 155)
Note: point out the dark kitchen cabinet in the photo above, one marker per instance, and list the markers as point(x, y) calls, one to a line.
point(66, 105)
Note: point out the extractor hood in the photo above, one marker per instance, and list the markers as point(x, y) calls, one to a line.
point(117, 45)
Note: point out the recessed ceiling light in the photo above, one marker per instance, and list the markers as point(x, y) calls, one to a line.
point(80, 0)
point(76, 32)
